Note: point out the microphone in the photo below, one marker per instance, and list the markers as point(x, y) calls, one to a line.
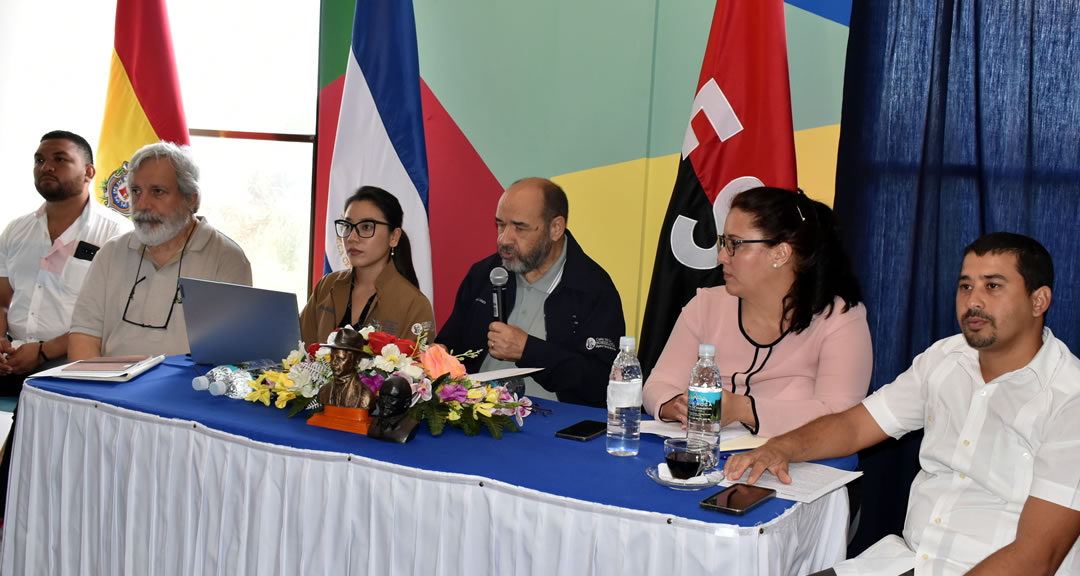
point(498, 279)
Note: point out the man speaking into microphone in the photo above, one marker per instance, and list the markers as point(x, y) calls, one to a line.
point(560, 309)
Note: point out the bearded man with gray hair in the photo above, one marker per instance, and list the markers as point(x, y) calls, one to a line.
point(131, 301)
point(562, 311)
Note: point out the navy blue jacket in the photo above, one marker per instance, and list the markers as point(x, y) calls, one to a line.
point(583, 317)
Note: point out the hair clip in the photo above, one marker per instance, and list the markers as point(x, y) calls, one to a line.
point(801, 217)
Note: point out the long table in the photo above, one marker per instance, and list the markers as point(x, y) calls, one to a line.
point(152, 477)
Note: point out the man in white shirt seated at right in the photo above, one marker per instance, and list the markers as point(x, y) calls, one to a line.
point(131, 302)
point(999, 488)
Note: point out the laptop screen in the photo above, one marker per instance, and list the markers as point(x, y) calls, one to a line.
point(231, 323)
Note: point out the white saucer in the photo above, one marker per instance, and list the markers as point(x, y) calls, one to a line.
point(707, 480)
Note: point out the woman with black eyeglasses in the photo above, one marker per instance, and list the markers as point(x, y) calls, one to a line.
point(790, 332)
point(379, 288)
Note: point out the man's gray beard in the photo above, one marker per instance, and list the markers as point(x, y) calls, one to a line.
point(166, 229)
point(531, 261)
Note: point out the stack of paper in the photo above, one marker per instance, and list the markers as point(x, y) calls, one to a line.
point(108, 369)
point(808, 481)
point(733, 437)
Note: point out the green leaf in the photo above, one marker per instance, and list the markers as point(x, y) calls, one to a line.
point(297, 405)
point(469, 425)
point(508, 423)
point(436, 421)
point(494, 427)
point(438, 381)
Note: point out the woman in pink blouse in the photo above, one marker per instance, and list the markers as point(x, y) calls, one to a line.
point(791, 338)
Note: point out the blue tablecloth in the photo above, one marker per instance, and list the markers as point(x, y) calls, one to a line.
point(533, 458)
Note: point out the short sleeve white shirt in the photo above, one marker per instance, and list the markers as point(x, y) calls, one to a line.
point(46, 276)
point(987, 447)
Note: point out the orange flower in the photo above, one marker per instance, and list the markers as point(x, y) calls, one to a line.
point(437, 361)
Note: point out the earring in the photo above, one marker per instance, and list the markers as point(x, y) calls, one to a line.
point(774, 265)
point(391, 251)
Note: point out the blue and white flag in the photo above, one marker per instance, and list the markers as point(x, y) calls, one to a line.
point(380, 131)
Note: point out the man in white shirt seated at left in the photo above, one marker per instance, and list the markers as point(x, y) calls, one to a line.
point(131, 302)
point(44, 258)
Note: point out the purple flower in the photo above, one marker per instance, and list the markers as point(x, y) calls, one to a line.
point(373, 381)
point(523, 410)
point(452, 392)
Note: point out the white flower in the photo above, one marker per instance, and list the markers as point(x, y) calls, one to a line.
point(391, 358)
point(295, 356)
point(303, 382)
point(413, 371)
point(385, 364)
point(366, 330)
point(365, 364)
point(322, 354)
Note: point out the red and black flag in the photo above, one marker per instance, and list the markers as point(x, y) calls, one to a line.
point(740, 136)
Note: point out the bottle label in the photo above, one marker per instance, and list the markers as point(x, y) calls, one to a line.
point(623, 394)
point(704, 406)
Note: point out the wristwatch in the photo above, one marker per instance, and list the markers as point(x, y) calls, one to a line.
point(41, 352)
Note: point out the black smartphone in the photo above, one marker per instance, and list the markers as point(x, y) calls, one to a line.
point(86, 250)
point(737, 498)
point(584, 430)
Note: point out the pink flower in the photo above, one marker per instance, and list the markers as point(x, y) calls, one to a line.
point(437, 361)
point(372, 381)
point(421, 390)
point(523, 410)
point(452, 392)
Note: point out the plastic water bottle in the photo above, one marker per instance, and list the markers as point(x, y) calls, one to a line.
point(231, 380)
point(624, 402)
point(703, 400)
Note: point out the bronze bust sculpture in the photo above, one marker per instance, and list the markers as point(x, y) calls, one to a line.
point(394, 423)
point(346, 390)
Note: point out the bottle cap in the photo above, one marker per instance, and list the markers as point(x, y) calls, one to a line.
point(626, 342)
point(200, 383)
point(217, 388)
point(706, 350)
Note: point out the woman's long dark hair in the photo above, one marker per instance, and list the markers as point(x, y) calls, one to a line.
point(822, 267)
point(388, 204)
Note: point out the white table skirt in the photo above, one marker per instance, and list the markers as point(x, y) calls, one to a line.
point(101, 490)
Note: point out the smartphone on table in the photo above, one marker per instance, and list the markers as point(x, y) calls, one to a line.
point(583, 431)
point(738, 498)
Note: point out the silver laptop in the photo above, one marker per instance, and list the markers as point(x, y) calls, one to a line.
point(230, 323)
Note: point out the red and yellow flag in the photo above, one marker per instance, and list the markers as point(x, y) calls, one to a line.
point(143, 104)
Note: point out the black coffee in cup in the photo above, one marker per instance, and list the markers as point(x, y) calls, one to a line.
point(683, 465)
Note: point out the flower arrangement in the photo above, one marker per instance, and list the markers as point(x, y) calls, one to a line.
point(442, 391)
point(463, 403)
point(305, 370)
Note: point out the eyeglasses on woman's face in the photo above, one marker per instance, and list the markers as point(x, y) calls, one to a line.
point(732, 244)
point(364, 228)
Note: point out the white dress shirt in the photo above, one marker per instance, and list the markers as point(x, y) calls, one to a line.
point(987, 447)
point(46, 276)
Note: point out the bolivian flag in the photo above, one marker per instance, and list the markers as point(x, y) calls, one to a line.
point(143, 104)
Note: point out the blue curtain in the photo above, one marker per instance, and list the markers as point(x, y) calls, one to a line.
point(960, 117)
